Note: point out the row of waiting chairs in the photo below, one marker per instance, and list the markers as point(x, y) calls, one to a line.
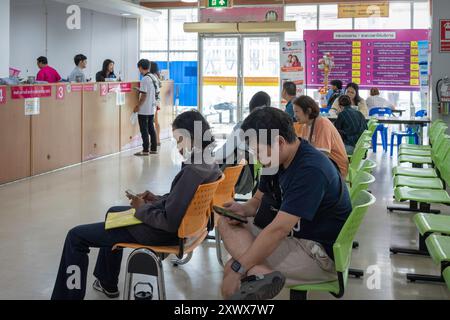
point(193, 230)
point(423, 187)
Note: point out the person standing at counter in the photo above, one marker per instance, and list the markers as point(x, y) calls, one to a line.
point(154, 75)
point(46, 73)
point(77, 74)
point(146, 110)
point(107, 72)
point(289, 93)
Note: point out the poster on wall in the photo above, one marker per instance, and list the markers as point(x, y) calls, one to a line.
point(32, 106)
point(2, 95)
point(293, 64)
point(387, 59)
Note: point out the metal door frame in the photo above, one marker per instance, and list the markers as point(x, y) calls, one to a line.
point(240, 67)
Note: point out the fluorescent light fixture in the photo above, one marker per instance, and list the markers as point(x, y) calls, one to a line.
point(189, 1)
point(125, 14)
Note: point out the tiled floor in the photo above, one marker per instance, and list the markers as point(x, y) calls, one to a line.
point(36, 213)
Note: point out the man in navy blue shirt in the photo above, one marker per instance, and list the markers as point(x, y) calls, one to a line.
point(295, 244)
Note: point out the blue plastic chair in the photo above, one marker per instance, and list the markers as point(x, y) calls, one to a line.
point(325, 110)
point(411, 132)
point(380, 112)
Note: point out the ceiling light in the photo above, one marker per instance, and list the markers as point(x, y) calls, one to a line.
point(189, 1)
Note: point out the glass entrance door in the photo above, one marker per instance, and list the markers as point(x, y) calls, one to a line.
point(233, 69)
point(219, 96)
point(261, 69)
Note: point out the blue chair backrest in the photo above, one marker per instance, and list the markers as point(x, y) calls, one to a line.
point(422, 113)
point(380, 112)
point(325, 110)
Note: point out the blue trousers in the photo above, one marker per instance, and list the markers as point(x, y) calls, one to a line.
point(75, 260)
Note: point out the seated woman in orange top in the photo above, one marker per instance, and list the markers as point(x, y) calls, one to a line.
point(320, 132)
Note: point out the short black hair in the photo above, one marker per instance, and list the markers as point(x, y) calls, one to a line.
point(290, 88)
point(78, 58)
point(42, 60)
point(337, 83)
point(154, 68)
point(186, 121)
point(270, 119)
point(144, 64)
point(260, 99)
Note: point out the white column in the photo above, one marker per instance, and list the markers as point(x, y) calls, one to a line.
point(4, 39)
point(440, 62)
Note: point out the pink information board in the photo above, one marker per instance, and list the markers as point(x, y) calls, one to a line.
point(387, 59)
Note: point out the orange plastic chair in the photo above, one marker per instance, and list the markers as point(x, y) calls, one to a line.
point(192, 232)
point(225, 193)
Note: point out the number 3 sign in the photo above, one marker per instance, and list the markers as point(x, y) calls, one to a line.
point(60, 92)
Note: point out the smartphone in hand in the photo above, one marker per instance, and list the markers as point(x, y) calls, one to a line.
point(131, 194)
point(230, 215)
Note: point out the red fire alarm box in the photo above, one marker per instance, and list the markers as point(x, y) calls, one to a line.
point(445, 35)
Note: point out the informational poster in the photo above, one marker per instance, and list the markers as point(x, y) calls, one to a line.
point(445, 35)
point(2, 95)
point(25, 92)
point(363, 9)
point(387, 59)
point(32, 106)
point(60, 92)
point(120, 99)
point(293, 64)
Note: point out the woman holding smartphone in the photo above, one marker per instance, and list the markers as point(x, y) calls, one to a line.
point(161, 217)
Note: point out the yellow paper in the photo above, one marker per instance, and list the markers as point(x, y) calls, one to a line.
point(121, 219)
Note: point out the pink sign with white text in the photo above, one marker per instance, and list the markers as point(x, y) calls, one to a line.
point(387, 59)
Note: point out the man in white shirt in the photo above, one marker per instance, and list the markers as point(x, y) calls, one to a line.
point(146, 110)
point(77, 74)
point(375, 101)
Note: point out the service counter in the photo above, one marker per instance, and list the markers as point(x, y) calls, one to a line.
point(49, 127)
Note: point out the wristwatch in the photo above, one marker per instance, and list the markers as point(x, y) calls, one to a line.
point(238, 268)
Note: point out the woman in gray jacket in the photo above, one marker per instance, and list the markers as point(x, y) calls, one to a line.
point(161, 217)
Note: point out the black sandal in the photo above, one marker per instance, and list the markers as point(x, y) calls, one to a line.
point(261, 287)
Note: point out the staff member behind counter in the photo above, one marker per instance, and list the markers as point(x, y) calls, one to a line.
point(77, 74)
point(46, 73)
point(107, 73)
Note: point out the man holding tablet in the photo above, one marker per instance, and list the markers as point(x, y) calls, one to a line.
point(293, 244)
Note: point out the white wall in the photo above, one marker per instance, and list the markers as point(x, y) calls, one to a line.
point(440, 62)
point(4, 43)
point(38, 27)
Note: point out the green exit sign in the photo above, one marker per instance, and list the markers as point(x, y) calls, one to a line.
point(219, 3)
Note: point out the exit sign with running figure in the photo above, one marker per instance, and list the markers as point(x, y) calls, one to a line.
point(219, 3)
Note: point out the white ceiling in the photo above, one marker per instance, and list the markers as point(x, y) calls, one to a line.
point(114, 7)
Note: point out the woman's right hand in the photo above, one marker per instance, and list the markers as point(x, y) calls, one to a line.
point(148, 196)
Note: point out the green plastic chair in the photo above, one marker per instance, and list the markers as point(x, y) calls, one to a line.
point(437, 152)
point(427, 182)
point(342, 250)
point(361, 182)
point(357, 159)
point(439, 248)
point(432, 133)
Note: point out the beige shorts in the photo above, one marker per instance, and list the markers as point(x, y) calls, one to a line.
point(300, 261)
